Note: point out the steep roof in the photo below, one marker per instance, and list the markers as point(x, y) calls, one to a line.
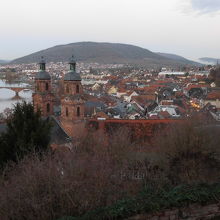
point(58, 135)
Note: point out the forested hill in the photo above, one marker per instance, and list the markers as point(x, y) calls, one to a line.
point(103, 53)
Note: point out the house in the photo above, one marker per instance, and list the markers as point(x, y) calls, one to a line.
point(172, 110)
point(129, 96)
point(213, 98)
point(165, 74)
point(113, 90)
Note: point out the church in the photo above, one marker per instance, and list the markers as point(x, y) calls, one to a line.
point(71, 121)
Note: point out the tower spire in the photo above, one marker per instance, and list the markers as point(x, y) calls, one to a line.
point(42, 64)
point(72, 63)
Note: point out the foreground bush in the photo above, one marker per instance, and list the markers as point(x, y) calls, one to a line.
point(65, 183)
point(115, 174)
point(190, 152)
point(152, 199)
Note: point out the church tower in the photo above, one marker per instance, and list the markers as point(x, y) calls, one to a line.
point(72, 103)
point(43, 98)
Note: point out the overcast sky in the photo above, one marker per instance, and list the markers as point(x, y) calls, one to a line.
point(190, 28)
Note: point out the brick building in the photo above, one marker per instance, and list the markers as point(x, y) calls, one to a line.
point(73, 103)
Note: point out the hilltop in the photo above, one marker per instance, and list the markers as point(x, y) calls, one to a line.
point(103, 53)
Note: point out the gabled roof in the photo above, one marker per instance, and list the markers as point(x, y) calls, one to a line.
point(58, 135)
point(213, 95)
point(143, 99)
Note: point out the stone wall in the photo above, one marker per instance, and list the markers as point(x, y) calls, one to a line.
point(193, 212)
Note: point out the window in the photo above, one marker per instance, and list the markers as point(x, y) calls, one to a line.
point(47, 86)
point(38, 87)
point(77, 88)
point(48, 107)
point(67, 89)
point(67, 112)
point(78, 111)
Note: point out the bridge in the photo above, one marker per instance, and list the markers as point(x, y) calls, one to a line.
point(16, 89)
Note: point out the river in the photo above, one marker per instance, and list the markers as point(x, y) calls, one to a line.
point(7, 96)
point(8, 99)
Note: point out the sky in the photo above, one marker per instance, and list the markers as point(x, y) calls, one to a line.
point(190, 28)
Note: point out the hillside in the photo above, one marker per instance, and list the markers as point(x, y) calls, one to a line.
point(179, 58)
point(103, 53)
point(209, 60)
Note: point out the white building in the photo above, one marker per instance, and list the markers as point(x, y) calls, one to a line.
point(164, 74)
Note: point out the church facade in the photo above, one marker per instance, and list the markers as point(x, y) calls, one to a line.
point(72, 100)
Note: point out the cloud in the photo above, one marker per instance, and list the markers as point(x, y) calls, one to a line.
point(206, 6)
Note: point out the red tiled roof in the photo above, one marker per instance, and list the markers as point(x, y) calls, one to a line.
point(213, 95)
point(196, 86)
point(143, 99)
point(164, 114)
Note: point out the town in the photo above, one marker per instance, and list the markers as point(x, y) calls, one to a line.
point(117, 95)
point(125, 92)
point(110, 110)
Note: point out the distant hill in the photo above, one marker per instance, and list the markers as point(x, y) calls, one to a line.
point(103, 53)
point(209, 60)
point(4, 61)
point(179, 58)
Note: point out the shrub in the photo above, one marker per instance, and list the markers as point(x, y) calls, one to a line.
point(66, 183)
point(191, 153)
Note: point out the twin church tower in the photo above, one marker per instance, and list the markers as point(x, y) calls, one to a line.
point(72, 99)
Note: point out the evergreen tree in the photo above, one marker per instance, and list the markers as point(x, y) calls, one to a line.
point(26, 132)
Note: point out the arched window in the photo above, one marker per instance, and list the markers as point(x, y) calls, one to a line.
point(48, 107)
point(67, 112)
point(46, 86)
point(78, 111)
point(67, 89)
point(77, 88)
